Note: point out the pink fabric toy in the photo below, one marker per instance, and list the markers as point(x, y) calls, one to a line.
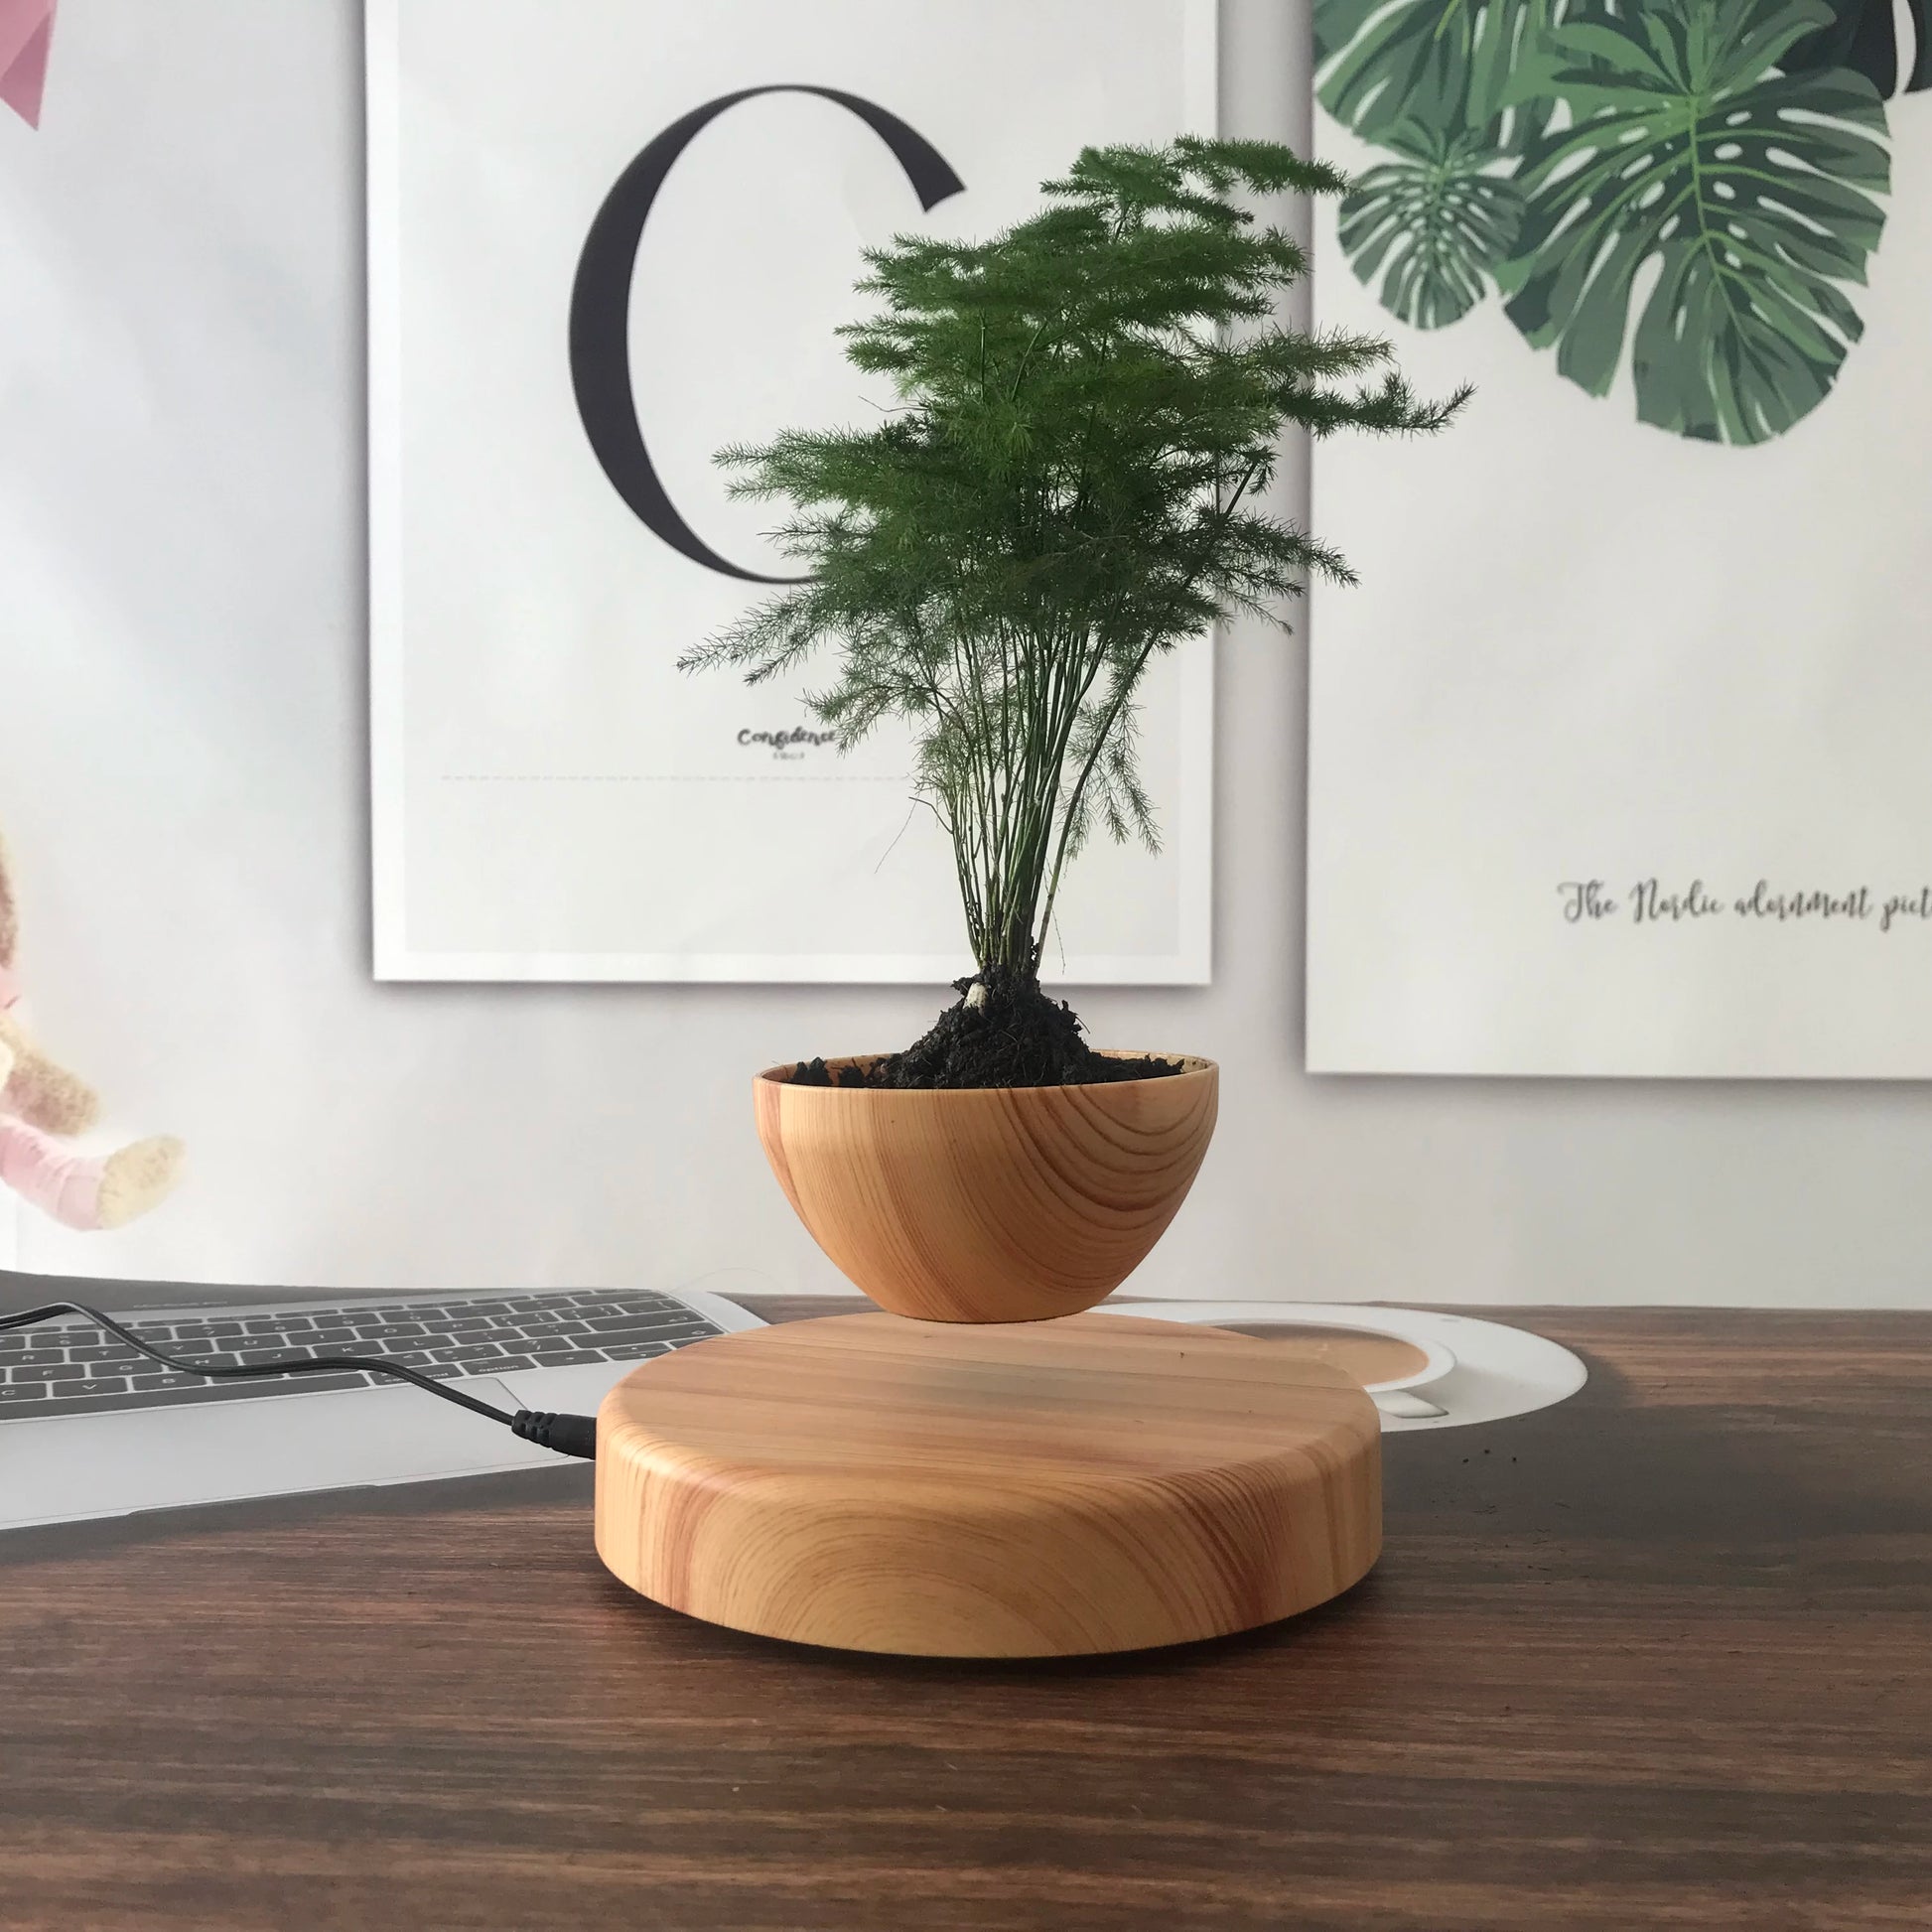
point(42, 1104)
point(26, 37)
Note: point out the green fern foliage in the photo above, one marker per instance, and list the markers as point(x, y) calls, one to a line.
point(1089, 409)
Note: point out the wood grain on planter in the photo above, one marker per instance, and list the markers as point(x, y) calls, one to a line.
point(991, 1204)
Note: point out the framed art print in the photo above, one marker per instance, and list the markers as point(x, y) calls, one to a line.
point(608, 238)
point(1621, 751)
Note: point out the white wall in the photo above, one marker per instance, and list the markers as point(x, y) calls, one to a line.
point(183, 774)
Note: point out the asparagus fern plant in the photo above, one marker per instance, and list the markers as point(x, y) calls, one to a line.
point(1089, 411)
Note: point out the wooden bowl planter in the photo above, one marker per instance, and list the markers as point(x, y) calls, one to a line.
point(988, 1204)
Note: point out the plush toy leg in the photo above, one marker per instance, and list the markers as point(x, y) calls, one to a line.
point(43, 1173)
point(86, 1192)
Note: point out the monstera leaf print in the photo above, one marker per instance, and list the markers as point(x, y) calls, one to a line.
point(1427, 231)
point(1382, 64)
point(1863, 36)
point(1750, 190)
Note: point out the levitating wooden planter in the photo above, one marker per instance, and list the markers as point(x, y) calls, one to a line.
point(986, 1471)
point(990, 1205)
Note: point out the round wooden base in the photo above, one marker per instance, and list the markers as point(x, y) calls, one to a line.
point(1035, 1489)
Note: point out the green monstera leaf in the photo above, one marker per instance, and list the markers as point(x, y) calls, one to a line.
point(1753, 191)
point(1428, 230)
point(1445, 64)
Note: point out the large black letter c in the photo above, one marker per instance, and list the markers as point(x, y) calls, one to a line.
point(599, 307)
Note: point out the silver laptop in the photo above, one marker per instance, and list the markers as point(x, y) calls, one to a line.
point(91, 1427)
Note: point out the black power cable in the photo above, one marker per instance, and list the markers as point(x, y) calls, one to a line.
point(567, 1435)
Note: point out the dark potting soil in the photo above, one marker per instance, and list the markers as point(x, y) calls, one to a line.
point(1014, 1037)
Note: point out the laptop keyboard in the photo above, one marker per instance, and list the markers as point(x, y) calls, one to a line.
point(71, 1366)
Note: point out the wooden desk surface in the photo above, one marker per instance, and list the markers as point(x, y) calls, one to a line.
point(1661, 1656)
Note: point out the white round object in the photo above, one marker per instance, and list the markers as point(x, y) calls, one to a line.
point(1474, 1371)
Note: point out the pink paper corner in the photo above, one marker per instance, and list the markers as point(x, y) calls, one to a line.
point(26, 40)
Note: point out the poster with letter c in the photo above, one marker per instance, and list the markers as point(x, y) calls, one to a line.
point(607, 239)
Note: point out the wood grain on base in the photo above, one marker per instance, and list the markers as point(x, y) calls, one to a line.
point(988, 1204)
point(1095, 1484)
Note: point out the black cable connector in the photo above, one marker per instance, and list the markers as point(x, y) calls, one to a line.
point(567, 1435)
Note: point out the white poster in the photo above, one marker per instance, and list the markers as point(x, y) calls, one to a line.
point(1622, 749)
point(608, 238)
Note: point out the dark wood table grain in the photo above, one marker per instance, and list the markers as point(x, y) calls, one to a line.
point(1661, 1656)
